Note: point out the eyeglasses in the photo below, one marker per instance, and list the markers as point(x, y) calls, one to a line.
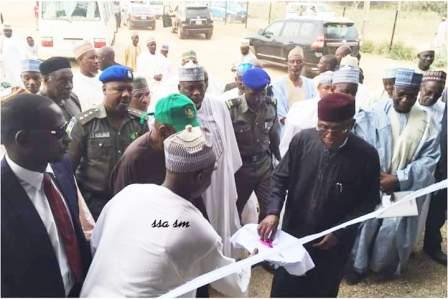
point(335, 130)
point(58, 132)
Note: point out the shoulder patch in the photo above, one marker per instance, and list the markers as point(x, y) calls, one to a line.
point(272, 100)
point(88, 115)
point(70, 126)
point(141, 115)
point(233, 103)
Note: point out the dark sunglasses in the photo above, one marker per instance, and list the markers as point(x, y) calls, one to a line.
point(58, 132)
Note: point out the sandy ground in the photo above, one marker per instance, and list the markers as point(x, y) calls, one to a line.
point(423, 278)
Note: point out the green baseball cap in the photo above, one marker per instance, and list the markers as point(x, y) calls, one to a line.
point(177, 111)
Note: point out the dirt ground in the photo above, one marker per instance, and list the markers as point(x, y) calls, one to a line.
point(423, 278)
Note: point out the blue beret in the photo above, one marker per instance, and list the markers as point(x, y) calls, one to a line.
point(256, 79)
point(405, 77)
point(116, 73)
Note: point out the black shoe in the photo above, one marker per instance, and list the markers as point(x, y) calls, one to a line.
point(437, 256)
point(352, 277)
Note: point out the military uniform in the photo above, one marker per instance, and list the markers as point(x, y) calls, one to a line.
point(96, 147)
point(257, 135)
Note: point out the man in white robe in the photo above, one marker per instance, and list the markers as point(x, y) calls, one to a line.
point(303, 115)
point(150, 239)
point(293, 87)
point(433, 83)
point(220, 198)
point(154, 68)
point(408, 147)
point(246, 55)
point(214, 86)
point(362, 94)
point(86, 83)
point(11, 57)
point(388, 87)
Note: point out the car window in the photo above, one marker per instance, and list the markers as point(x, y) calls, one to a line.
point(291, 31)
point(307, 31)
point(193, 12)
point(70, 10)
point(274, 29)
point(340, 31)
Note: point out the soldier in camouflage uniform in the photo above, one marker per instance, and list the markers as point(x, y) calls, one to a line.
point(255, 122)
point(100, 136)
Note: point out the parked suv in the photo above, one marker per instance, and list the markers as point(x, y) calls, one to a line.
point(193, 19)
point(139, 14)
point(317, 36)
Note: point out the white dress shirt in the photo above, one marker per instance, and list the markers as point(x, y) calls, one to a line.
point(32, 183)
point(88, 89)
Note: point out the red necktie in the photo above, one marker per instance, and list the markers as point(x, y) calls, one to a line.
point(65, 228)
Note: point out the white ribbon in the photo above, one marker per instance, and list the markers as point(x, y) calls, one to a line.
point(219, 273)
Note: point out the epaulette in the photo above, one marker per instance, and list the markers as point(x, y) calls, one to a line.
point(141, 115)
point(272, 100)
point(88, 115)
point(233, 102)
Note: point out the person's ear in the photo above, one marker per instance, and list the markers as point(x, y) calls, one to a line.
point(104, 89)
point(166, 131)
point(178, 87)
point(22, 138)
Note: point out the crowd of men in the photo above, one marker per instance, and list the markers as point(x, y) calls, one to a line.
point(129, 180)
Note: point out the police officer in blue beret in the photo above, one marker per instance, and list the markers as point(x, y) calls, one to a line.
point(100, 136)
point(255, 122)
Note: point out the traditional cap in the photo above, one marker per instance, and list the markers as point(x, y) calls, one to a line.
point(7, 27)
point(439, 76)
point(164, 47)
point(256, 79)
point(350, 61)
point(82, 48)
point(139, 84)
point(389, 73)
point(346, 74)
point(53, 64)
point(244, 43)
point(134, 33)
point(336, 107)
point(188, 151)
point(150, 39)
point(191, 72)
point(243, 67)
point(177, 111)
point(189, 55)
point(297, 51)
point(425, 48)
point(30, 65)
point(116, 72)
point(407, 78)
point(326, 77)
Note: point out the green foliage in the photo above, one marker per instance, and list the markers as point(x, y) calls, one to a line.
point(400, 51)
point(440, 60)
point(367, 46)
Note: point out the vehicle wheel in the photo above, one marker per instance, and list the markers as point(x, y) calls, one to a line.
point(209, 35)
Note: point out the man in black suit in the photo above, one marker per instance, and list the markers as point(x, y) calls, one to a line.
point(43, 249)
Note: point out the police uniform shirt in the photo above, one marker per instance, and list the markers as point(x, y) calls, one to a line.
point(256, 131)
point(96, 146)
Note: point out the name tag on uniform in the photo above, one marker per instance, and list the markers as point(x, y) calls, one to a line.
point(101, 135)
